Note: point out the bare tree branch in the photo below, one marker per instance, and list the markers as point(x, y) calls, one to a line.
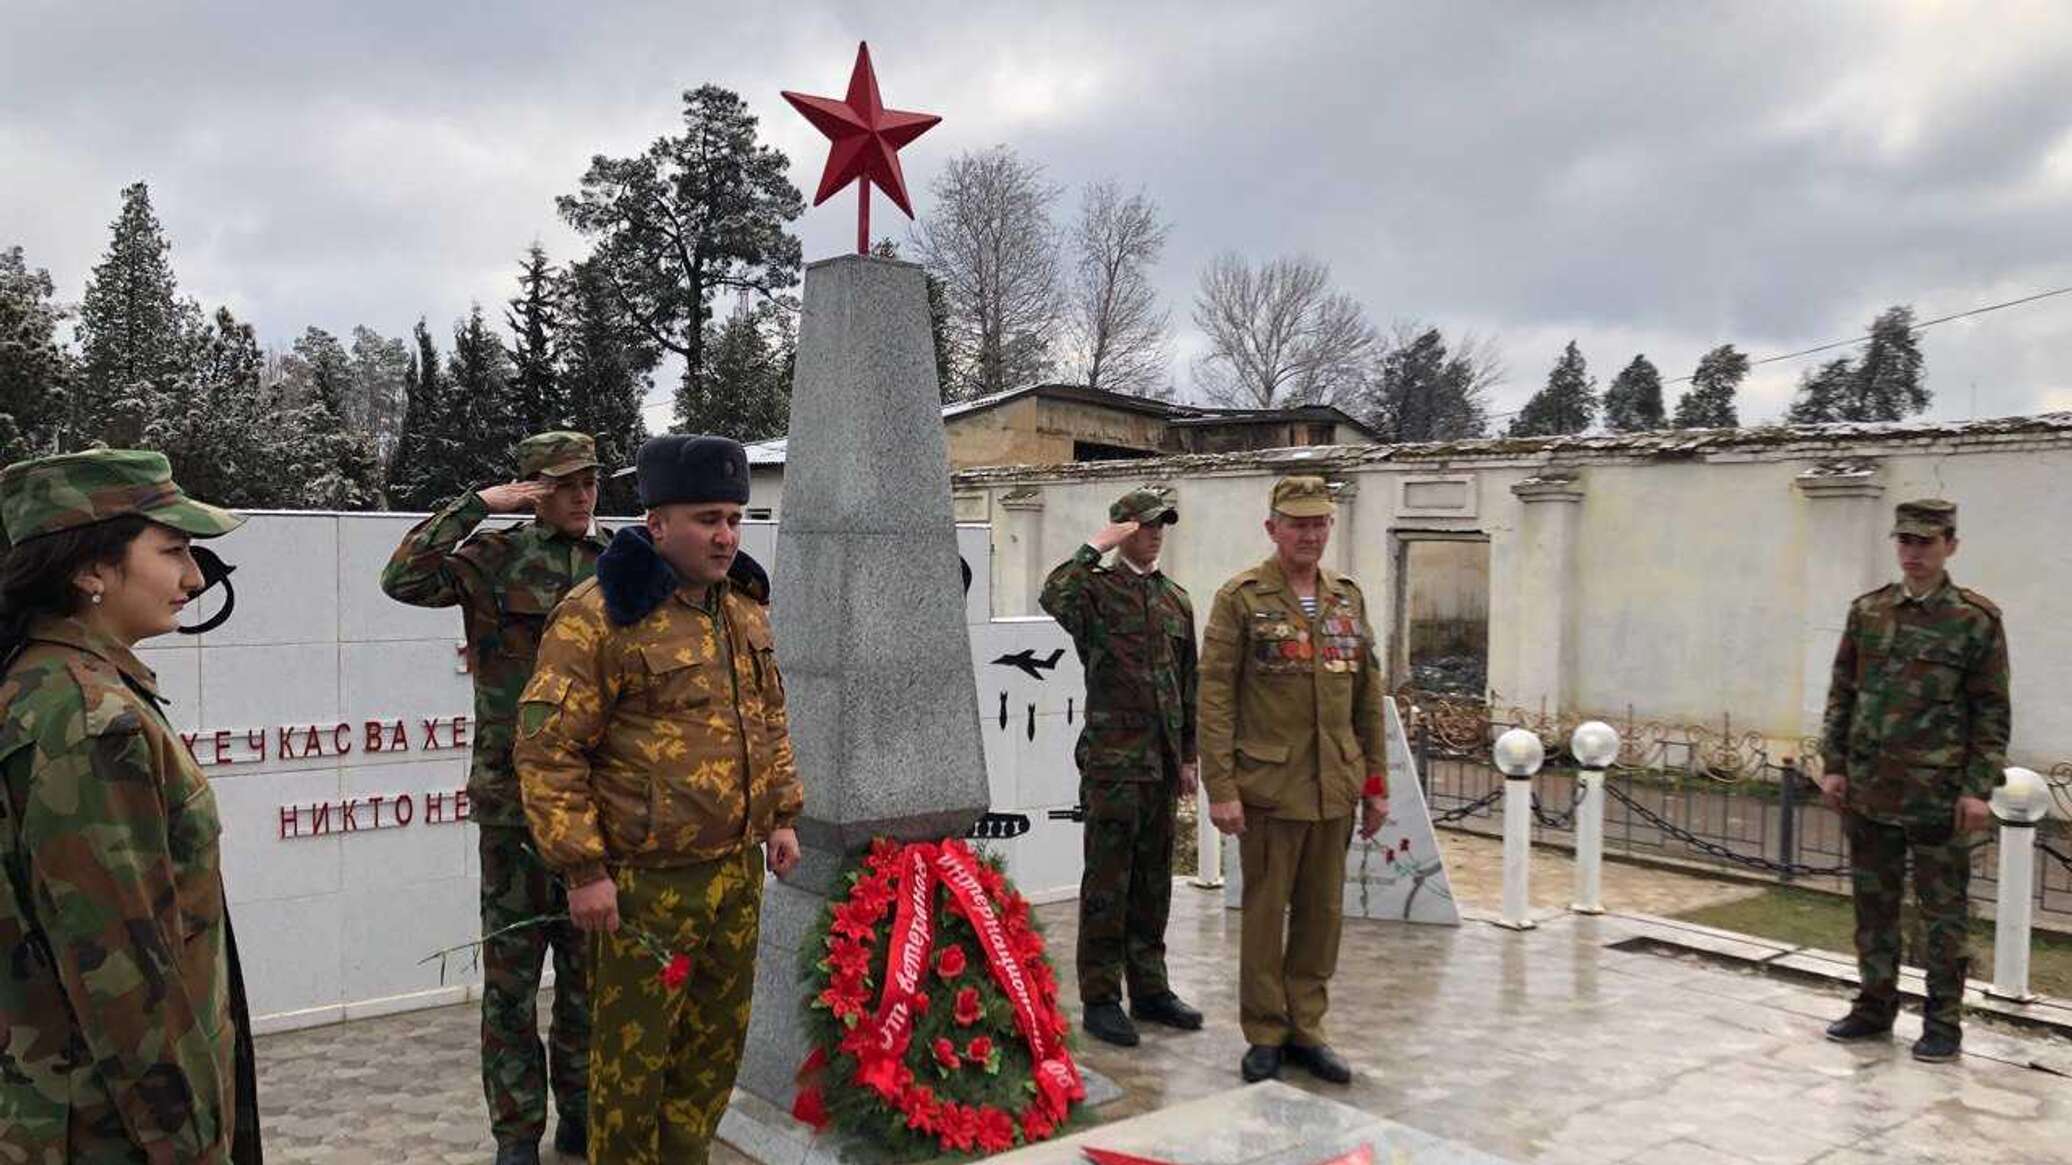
point(991, 244)
point(1279, 336)
point(1116, 329)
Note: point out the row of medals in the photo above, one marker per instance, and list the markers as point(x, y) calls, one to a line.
point(1300, 648)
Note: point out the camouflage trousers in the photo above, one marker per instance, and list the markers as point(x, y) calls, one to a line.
point(663, 1064)
point(1126, 891)
point(516, 886)
point(1942, 887)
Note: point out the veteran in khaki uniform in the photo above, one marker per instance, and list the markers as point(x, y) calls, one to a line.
point(656, 764)
point(1914, 741)
point(124, 1033)
point(1291, 746)
point(505, 581)
point(1133, 628)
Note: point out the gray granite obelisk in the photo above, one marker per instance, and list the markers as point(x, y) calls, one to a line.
point(869, 618)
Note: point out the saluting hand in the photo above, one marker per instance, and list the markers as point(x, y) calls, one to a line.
point(595, 906)
point(1112, 535)
point(515, 496)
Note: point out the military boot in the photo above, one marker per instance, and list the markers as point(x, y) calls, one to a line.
point(518, 1153)
point(1105, 1021)
point(1168, 1009)
point(1859, 1025)
point(1939, 1043)
point(1261, 1062)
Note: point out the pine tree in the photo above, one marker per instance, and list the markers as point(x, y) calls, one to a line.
point(334, 467)
point(479, 405)
point(1825, 394)
point(938, 319)
point(1709, 403)
point(605, 366)
point(535, 322)
point(1566, 405)
point(419, 469)
point(132, 331)
point(1423, 392)
point(1633, 403)
point(224, 430)
point(374, 408)
point(36, 371)
point(746, 393)
point(1888, 375)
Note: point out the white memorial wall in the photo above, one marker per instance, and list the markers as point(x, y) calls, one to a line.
point(335, 726)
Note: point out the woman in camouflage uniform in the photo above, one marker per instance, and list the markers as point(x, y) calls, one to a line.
point(123, 1028)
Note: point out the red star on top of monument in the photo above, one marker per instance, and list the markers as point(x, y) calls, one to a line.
point(867, 137)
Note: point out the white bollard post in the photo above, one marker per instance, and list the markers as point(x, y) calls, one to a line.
point(2019, 803)
point(1208, 844)
point(1518, 755)
point(1595, 745)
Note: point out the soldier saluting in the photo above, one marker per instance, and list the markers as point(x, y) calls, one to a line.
point(506, 582)
point(1133, 628)
point(1914, 741)
point(1291, 744)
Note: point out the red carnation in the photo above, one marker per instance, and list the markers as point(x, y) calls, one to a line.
point(1036, 1125)
point(959, 1126)
point(950, 962)
point(677, 972)
point(918, 1105)
point(849, 957)
point(979, 1050)
point(995, 1130)
point(919, 1002)
point(946, 1054)
point(968, 1010)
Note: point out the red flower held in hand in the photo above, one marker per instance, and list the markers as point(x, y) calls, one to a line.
point(677, 972)
point(950, 962)
point(946, 1054)
point(968, 1010)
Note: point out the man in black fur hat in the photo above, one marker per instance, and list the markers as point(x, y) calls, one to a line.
point(656, 764)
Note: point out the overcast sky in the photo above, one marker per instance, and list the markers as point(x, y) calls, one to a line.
point(1643, 177)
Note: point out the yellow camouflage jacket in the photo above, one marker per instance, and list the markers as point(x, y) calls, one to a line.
point(653, 732)
point(117, 1037)
point(1291, 718)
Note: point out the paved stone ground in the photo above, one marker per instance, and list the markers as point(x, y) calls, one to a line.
point(1543, 1046)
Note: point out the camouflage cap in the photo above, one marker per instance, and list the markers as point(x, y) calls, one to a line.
point(1302, 497)
point(51, 494)
point(556, 454)
point(1925, 517)
point(1147, 505)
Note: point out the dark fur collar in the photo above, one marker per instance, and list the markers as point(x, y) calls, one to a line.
point(635, 579)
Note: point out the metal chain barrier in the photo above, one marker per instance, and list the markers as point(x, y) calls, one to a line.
point(1716, 850)
point(1471, 808)
point(1562, 820)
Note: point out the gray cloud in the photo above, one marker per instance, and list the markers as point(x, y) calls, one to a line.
point(1643, 177)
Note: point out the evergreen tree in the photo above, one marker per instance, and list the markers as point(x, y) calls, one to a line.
point(374, 408)
point(1566, 405)
point(1826, 394)
point(223, 429)
point(1709, 403)
point(1888, 375)
point(605, 366)
point(479, 405)
point(747, 393)
point(1633, 403)
point(35, 369)
point(695, 215)
point(938, 318)
point(1423, 392)
point(535, 321)
point(421, 468)
point(333, 467)
point(132, 331)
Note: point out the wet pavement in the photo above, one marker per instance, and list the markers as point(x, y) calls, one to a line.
point(1536, 1046)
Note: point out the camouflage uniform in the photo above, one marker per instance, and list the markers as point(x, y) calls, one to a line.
point(1135, 635)
point(123, 1030)
point(1291, 725)
point(653, 748)
point(506, 582)
point(1917, 715)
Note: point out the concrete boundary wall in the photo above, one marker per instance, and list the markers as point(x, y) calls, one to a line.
point(1683, 577)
